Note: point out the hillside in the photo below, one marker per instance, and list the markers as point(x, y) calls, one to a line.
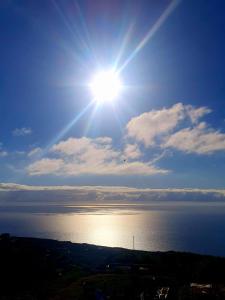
point(47, 269)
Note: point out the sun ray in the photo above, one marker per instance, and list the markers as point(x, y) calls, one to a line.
point(82, 36)
point(151, 32)
point(65, 130)
point(86, 32)
point(89, 122)
point(123, 45)
point(118, 119)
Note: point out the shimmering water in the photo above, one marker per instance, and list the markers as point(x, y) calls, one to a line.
point(185, 228)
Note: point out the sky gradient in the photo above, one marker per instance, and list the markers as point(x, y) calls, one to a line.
point(165, 130)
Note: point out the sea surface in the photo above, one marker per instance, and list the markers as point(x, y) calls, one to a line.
point(195, 228)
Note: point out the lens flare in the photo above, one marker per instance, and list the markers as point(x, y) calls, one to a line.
point(106, 86)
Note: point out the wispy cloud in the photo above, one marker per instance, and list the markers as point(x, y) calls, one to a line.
point(17, 152)
point(22, 131)
point(35, 152)
point(3, 153)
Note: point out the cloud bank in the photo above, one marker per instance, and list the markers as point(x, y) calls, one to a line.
point(104, 199)
point(154, 194)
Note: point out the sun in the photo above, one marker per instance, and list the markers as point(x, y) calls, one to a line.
point(105, 86)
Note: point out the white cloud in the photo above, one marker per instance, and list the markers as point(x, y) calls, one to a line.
point(200, 139)
point(196, 113)
point(45, 166)
point(149, 126)
point(22, 131)
point(90, 156)
point(112, 168)
point(87, 150)
point(178, 127)
point(132, 151)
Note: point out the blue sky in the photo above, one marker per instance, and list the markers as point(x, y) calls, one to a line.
point(166, 129)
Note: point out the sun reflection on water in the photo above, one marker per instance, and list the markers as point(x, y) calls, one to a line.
point(114, 230)
point(188, 229)
point(101, 229)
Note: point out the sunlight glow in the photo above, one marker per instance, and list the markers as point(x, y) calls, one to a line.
point(105, 86)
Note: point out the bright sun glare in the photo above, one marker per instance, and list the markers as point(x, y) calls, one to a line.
point(106, 86)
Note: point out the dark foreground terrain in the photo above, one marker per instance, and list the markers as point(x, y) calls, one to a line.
point(46, 269)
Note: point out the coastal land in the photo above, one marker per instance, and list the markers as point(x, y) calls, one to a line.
point(34, 268)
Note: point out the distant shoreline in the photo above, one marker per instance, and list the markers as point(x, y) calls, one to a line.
point(8, 235)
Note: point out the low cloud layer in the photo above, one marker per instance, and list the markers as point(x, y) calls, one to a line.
point(104, 199)
point(123, 191)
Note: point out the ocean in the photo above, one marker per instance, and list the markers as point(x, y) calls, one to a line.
point(194, 227)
